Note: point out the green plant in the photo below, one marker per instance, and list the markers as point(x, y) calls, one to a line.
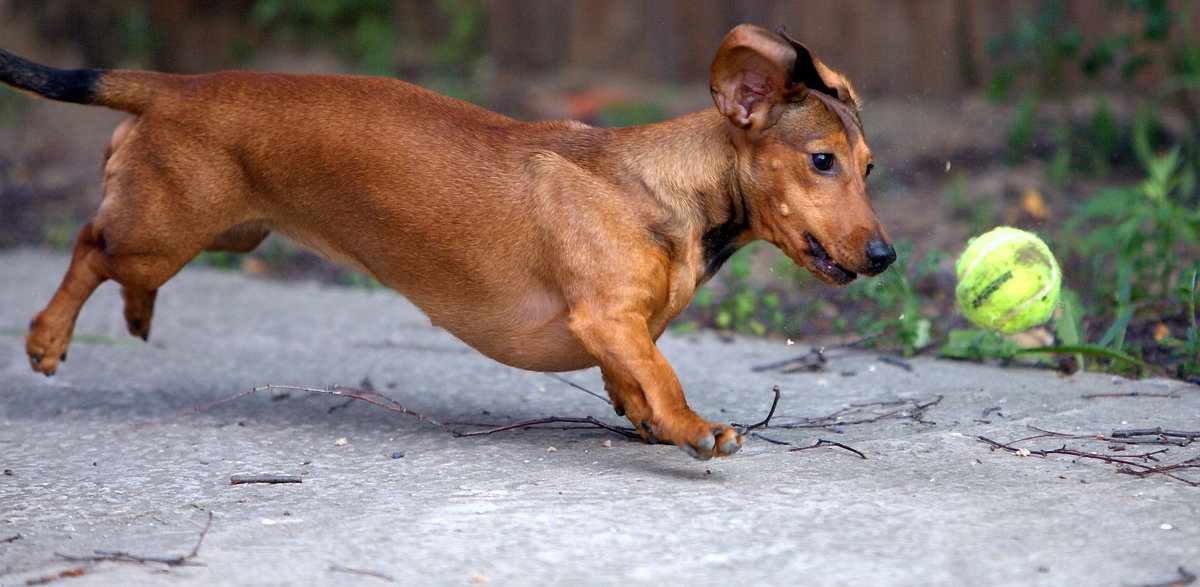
point(1136, 236)
point(745, 304)
point(1042, 47)
point(895, 309)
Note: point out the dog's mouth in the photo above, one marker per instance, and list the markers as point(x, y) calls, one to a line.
point(823, 266)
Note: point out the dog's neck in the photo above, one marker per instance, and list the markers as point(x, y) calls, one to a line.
point(689, 164)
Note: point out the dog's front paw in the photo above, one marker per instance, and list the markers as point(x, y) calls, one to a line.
point(721, 441)
point(698, 438)
point(46, 350)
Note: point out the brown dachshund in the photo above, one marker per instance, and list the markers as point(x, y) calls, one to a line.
point(549, 246)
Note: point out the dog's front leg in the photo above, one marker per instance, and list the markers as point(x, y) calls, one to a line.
point(643, 385)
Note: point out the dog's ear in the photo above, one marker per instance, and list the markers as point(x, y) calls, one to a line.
point(811, 73)
point(751, 75)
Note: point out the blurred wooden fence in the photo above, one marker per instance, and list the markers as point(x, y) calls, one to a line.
point(915, 47)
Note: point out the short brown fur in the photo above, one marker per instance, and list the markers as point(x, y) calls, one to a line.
point(548, 246)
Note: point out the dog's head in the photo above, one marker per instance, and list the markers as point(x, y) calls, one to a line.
point(802, 157)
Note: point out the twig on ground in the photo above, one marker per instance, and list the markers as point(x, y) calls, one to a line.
point(770, 440)
point(124, 557)
point(822, 442)
point(268, 479)
point(1129, 394)
point(542, 423)
point(376, 574)
point(766, 421)
point(579, 387)
point(914, 411)
point(13, 538)
point(370, 396)
point(815, 359)
point(1156, 432)
point(1128, 466)
point(895, 363)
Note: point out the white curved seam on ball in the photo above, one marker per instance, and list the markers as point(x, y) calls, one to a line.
point(987, 250)
point(1041, 293)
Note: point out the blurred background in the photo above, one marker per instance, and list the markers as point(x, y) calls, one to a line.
point(1079, 120)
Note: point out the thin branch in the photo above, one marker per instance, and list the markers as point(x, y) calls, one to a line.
point(588, 422)
point(268, 479)
point(376, 574)
point(915, 411)
point(1155, 432)
point(1129, 394)
point(124, 557)
point(766, 421)
point(816, 354)
point(822, 442)
point(579, 387)
point(1129, 467)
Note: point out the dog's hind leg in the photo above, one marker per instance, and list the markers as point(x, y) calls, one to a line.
point(139, 302)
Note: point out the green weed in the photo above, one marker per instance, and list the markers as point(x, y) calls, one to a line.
point(894, 308)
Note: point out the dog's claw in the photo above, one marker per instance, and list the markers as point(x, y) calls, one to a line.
point(619, 410)
point(146, 337)
point(649, 429)
point(37, 359)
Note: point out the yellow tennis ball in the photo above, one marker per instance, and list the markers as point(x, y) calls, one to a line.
point(1008, 280)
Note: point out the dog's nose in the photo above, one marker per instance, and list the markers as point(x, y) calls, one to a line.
point(880, 254)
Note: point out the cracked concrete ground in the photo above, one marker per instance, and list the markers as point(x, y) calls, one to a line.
point(88, 464)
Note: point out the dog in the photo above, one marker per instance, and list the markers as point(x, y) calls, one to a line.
point(548, 246)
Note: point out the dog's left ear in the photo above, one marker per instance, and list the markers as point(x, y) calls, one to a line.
point(751, 76)
point(756, 73)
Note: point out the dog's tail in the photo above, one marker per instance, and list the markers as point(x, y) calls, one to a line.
point(131, 91)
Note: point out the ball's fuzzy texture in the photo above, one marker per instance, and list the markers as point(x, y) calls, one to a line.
point(1008, 280)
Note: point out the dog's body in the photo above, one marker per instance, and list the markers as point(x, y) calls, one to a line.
point(548, 246)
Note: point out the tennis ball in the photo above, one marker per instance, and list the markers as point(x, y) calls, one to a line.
point(1007, 280)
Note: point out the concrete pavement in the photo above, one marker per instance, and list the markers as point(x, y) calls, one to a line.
point(387, 498)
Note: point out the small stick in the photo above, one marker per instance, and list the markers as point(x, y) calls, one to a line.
point(770, 440)
point(819, 352)
point(124, 557)
point(579, 387)
point(1129, 394)
point(822, 442)
point(13, 538)
point(831, 421)
point(1155, 432)
point(269, 479)
point(766, 421)
point(588, 422)
point(896, 363)
point(1129, 467)
point(376, 574)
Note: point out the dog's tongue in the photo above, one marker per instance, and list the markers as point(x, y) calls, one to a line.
point(825, 264)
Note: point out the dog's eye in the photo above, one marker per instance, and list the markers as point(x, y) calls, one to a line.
point(823, 161)
point(870, 166)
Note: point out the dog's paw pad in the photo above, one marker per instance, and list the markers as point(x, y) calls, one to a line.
point(707, 443)
point(695, 454)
